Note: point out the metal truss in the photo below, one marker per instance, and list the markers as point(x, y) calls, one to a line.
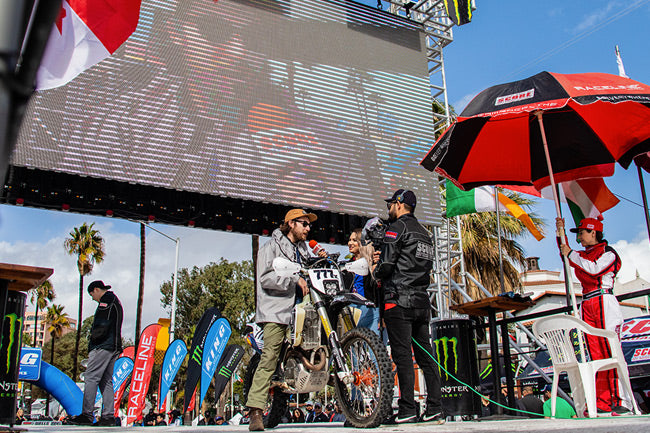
point(438, 34)
point(447, 240)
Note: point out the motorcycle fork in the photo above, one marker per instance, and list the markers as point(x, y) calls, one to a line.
point(342, 370)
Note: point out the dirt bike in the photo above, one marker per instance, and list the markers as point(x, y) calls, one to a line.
point(312, 357)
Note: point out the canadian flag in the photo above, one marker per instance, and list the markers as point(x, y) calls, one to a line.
point(84, 34)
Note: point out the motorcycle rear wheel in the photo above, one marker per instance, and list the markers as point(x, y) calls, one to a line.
point(367, 401)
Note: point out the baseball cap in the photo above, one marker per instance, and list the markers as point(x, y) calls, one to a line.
point(588, 224)
point(97, 283)
point(403, 196)
point(318, 405)
point(297, 213)
point(547, 387)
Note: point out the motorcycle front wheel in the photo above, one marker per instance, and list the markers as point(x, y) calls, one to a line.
point(366, 401)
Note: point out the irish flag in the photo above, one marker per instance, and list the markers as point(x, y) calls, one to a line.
point(481, 199)
point(84, 34)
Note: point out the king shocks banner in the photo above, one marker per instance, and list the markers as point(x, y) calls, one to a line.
point(196, 353)
point(121, 372)
point(144, 360)
point(215, 343)
point(174, 357)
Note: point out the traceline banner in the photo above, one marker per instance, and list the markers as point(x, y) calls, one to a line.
point(144, 360)
point(229, 362)
point(174, 357)
point(215, 343)
point(121, 372)
point(196, 353)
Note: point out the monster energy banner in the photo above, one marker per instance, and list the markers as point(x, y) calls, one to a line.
point(454, 344)
point(227, 365)
point(459, 11)
point(196, 352)
point(10, 344)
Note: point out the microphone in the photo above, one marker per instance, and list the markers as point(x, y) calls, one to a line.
point(315, 247)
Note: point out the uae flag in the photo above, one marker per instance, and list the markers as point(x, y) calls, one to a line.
point(84, 34)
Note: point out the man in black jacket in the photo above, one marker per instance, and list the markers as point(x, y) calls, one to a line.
point(404, 269)
point(104, 348)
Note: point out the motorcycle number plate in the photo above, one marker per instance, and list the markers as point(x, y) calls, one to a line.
point(326, 280)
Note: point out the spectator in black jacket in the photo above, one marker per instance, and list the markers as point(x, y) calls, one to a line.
point(530, 403)
point(317, 415)
point(104, 347)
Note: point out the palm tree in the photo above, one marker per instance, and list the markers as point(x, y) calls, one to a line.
point(86, 243)
point(481, 248)
point(40, 297)
point(57, 321)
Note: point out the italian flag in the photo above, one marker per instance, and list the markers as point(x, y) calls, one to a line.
point(588, 198)
point(84, 34)
point(481, 199)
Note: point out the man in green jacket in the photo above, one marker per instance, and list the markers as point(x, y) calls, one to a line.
point(562, 407)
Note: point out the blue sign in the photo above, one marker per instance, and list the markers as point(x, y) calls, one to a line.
point(121, 371)
point(174, 357)
point(215, 343)
point(30, 363)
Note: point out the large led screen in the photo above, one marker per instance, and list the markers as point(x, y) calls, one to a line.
point(315, 103)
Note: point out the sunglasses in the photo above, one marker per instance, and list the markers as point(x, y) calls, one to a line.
point(304, 223)
point(390, 204)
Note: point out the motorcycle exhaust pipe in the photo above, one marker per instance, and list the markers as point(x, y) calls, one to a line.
point(318, 367)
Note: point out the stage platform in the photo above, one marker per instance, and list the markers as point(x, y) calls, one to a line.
point(622, 424)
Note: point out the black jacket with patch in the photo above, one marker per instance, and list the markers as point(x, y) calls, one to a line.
point(106, 332)
point(406, 263)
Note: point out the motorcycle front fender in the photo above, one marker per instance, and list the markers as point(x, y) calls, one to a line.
point(344, 299)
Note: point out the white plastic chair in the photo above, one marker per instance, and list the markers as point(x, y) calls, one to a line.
point(556, 332)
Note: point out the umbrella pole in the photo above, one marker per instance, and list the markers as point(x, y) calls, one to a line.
point(645, 199)
point(568, 281)
point(496, 204)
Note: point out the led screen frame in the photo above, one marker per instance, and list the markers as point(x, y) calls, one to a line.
point(312, 103)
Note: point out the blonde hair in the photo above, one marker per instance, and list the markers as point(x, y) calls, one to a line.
point(365, 251)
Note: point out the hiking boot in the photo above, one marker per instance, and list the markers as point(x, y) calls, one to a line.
point(257, 420)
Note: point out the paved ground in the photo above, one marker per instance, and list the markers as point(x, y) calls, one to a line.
point(627, 424)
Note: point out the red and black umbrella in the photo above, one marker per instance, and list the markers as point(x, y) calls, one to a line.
point(590, 121)
point(545, 129)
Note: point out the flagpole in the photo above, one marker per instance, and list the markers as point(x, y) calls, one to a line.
point(568, 281)
point(645, 200)
point(496, 204)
